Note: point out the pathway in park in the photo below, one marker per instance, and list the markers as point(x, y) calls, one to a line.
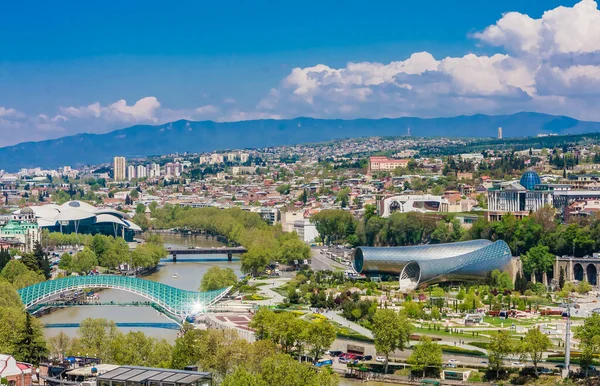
point(333, 315)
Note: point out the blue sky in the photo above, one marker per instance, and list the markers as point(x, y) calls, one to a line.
point(76, 66)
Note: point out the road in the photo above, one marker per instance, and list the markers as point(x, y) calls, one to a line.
point(321, 263)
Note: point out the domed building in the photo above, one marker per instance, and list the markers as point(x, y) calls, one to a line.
point(519, 198)
point(530, 179)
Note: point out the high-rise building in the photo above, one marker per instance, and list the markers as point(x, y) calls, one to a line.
point(153, 170)
point(140, 171)
point(119, 168)
point(173, 169)
point(244, 157)
point(130, 172)
point(499, 133)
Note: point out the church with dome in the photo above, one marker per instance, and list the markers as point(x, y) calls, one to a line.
point(520, 198)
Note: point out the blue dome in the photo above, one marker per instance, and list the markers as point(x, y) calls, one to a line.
point(530, 179)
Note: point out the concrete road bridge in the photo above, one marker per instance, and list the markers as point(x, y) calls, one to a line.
point(229, 251)
point(174, 302)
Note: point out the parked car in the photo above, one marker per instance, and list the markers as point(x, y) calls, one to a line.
point(380, 359)
point(324, 362)
point(484, 363)
point(453, 361)
point(335, 353)
point(368, 358)
point(517, 364)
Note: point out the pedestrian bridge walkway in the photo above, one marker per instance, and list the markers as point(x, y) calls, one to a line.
point(174, 301)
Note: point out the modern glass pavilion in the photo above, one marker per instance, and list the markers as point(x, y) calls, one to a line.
point(434, 263)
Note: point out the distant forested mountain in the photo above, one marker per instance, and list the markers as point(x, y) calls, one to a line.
point(180, 136)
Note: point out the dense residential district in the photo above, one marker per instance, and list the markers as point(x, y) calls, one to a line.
point(398, 260)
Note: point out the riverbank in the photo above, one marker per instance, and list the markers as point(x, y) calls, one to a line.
point(188, 277)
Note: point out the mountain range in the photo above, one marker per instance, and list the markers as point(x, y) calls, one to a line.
point(205, 136)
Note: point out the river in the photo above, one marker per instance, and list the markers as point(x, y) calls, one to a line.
point(189, 277)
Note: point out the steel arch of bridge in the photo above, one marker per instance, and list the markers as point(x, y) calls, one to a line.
point(174, 301)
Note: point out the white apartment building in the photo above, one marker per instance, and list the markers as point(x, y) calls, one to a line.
point(140, 171)
point(119, 168)
point(306, 231)
point(130, 172)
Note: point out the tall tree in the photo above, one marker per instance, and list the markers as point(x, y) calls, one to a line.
point(30, 345)
point(561, 278)
point(426, 354)
point(589, 337)
point(499, 348)
point(391, 331)
point(534, 344)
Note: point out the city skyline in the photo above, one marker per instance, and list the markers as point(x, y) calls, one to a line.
point(411, 60)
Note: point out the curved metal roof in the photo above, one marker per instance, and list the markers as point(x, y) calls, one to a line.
point(78, 205)
point(73, 215)
point(110, 219)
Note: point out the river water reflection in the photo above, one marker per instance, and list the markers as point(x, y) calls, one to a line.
point(189, 275)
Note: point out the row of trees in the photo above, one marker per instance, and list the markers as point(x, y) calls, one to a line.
point(265, 243)
point(399, 229)
point(291, 333)
point(502, 346)
point(110, 252)
point(232, 360)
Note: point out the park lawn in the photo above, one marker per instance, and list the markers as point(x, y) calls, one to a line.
point(497, 322)
point(442, 333)
point(255, 297)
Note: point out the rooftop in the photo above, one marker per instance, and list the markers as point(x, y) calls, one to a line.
point(148, 374)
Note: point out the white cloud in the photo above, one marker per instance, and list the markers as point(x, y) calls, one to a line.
point(10, 113)
point(142, 111)
point(550, 64)
point(207, 110)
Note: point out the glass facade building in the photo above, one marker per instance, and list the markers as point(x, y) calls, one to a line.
point(434, 263)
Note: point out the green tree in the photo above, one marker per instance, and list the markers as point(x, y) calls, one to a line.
point(216, 278)
point(13, 269)
point(242, 377)
point(589, 337)
point(391, 331)
point(59, 345)
point(332, 224)
point(538, 259)
point(186, 350)
point(561, 278)
point(499, 348)
point(320, 336)
point(293, 249)
point(30, 345)
point(283, 189)
point(584, 287)
point(140, 208)
point(85, 261)
point(66, 262)
point(95, 337)
point(534, 344)
point(426, 354)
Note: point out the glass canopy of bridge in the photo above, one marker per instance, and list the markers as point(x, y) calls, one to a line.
point(148, 376)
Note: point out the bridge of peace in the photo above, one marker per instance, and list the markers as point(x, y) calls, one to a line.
point(174, 302)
